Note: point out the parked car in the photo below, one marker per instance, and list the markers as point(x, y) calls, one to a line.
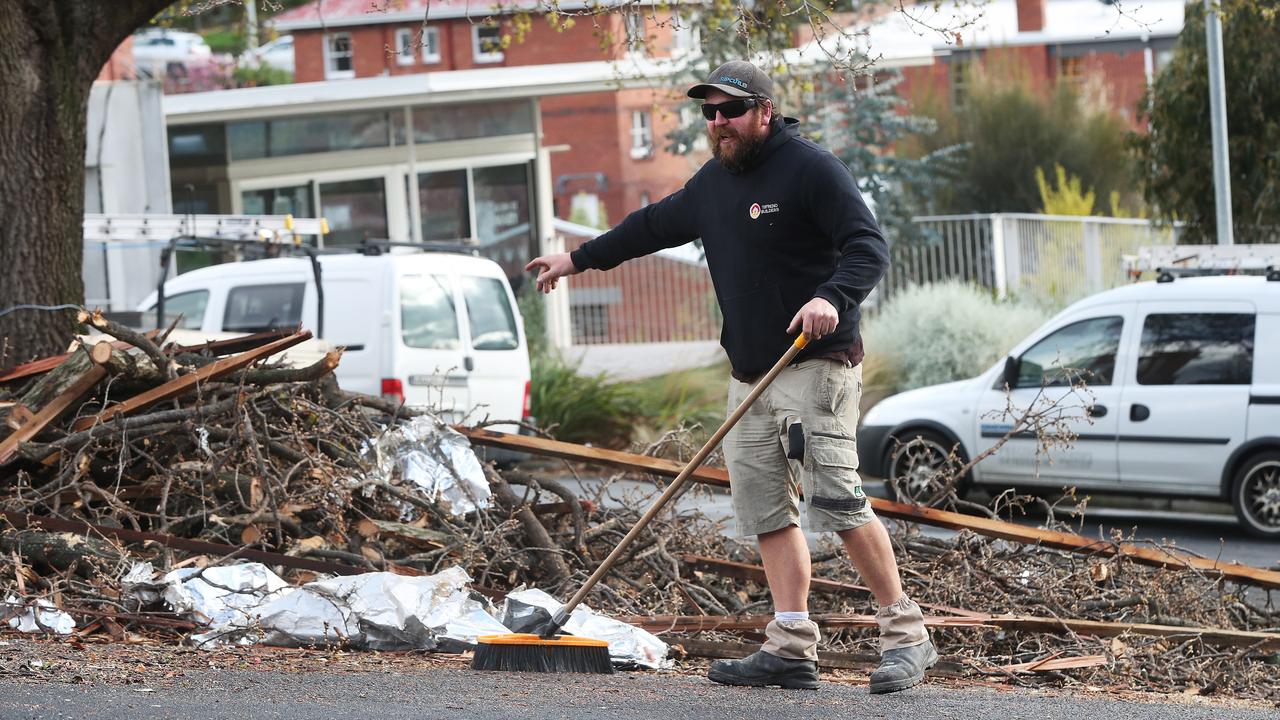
point(1183, 400)
point(156, 50)
point(436, 330)
point(277, 54)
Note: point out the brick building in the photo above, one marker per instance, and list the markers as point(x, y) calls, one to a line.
point(1049, 40)
point(609, 145)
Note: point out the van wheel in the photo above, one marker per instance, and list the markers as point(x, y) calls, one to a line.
point(1255, 495)
point(922, 468)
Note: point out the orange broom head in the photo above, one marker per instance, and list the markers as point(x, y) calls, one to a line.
point(528, 652)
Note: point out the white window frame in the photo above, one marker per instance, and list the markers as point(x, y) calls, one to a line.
point(430, 45)
point(641, 134)
point(329, 57)
point(405, 53)
point(478, 54)
point(688, 118)
point(635, 30)
point(686, 38)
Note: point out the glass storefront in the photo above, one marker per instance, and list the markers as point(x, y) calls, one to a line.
point(503, 218)
point(355, 209)
point(295, 201)
point(446, 212)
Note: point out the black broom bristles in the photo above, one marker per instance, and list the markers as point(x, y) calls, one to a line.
point(531, 653)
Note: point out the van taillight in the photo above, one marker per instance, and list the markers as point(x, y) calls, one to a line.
point(527, 405)
point(392, 390)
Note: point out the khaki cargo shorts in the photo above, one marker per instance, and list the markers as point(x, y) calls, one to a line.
point(822, 395)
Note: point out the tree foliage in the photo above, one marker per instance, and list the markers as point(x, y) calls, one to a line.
point(1176, 158)
point(1005, 130)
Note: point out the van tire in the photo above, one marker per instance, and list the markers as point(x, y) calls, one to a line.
point(913, 461)
point(1255, 495)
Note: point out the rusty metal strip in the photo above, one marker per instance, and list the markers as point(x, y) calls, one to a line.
point(718, 477)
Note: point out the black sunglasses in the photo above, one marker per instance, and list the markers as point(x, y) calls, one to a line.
point(730, 109)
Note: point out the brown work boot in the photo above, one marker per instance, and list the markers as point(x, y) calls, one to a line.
point(789, 659)
point(905, 648)
point(761, 668)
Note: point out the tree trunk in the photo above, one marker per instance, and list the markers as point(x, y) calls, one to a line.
point(51, 53)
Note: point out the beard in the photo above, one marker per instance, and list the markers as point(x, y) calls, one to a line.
point(741, 151)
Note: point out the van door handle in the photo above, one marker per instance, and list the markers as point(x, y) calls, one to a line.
point(1138, 413)
point(1096, 411)
point(469, 363)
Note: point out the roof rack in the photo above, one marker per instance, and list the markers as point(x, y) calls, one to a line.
point(1170, 262)
point(160, 229)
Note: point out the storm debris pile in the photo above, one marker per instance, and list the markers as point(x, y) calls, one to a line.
point(200, 458)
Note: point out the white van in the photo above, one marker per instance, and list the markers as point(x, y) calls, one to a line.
point(434, 329)
point(1185, 383)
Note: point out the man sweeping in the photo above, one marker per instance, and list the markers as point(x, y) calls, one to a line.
point(791, 247)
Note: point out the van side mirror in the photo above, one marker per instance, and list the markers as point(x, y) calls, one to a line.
point(1010, 376)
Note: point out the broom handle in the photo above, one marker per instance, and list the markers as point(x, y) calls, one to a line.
point(562, 616)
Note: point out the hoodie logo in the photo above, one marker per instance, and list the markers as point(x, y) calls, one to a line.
point(757, 210)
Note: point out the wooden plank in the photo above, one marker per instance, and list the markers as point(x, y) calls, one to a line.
point(1099, 628)
point(1026, 623)
point(231, 345)
point(738, 623)
point(51, 412)
point(718, 477)
point(1054, 662)
point(187, 383)
point(613, 458)
point(746, 571)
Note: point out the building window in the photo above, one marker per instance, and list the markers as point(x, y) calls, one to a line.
point(691, 123)
point(687, 36)
point(404, 47)
point(430, 45)
point(1071, 69)
point(959, 72)
point(339, 61)
point(486, 40)
point(641, 134)
point(636, 40)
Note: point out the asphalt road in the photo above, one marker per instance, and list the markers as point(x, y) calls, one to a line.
point(458, 693)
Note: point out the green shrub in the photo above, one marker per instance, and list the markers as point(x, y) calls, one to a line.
point(227, 40)
point(683, 398)
point(938, 333)
point(581, 409)
point(261, 75)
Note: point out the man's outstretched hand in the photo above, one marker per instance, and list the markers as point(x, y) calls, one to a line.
point(817, 318)
point(551, 268)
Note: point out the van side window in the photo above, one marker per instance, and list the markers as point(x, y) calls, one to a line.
point(189, 305)
point(1084, 350)
point(1197, 349)
point(255, 308)
point(428, 318)
point(493, 325)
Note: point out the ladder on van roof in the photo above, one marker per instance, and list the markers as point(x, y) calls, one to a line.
point(1171, 261)
point(161, 229)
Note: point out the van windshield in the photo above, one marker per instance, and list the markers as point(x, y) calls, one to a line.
point(493, 325)
point(427, 316)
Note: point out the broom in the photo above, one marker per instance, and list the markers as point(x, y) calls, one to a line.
point(545, 650)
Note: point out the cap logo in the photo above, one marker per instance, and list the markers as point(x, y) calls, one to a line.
point(755, 210)
point(733, 81)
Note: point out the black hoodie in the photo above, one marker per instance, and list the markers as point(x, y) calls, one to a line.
point(789, 227)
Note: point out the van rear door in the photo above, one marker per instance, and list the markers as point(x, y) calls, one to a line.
point(496, 352)
point(430, 357)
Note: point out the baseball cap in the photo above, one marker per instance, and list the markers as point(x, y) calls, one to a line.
point(738, 78)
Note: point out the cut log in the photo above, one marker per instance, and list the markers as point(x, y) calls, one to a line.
point(187, 383)
point(87, 557)
point(71, 393)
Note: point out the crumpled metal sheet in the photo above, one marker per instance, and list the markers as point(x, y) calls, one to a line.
point(435, 458)
point(41, 616)
point(628, 645)
point(223, 597)
point(380, 611)
point(248, 604)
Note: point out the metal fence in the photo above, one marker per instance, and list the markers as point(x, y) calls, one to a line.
point(1052, 259)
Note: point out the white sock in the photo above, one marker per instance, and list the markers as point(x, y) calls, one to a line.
point(784, 616)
